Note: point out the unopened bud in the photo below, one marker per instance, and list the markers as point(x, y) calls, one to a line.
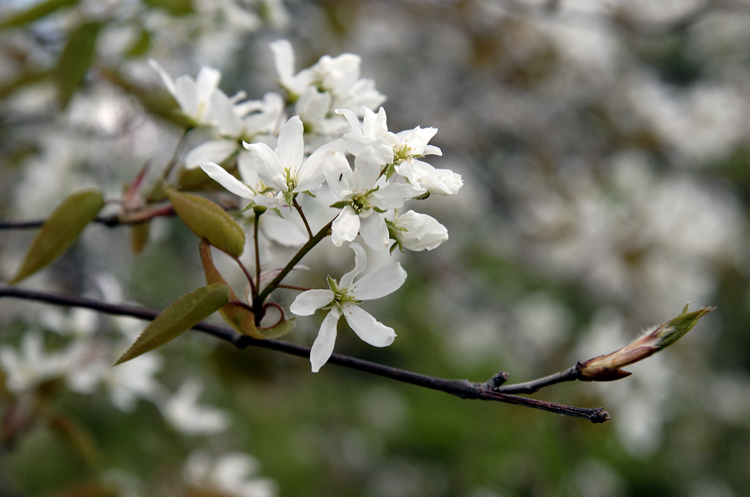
point(607, 367)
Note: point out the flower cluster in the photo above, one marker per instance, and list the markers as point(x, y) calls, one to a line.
point(337, 147)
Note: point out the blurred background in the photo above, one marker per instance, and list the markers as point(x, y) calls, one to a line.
point(605, 152)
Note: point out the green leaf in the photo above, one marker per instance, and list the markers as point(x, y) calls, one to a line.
point(59, 231)
point(174, 7)
point(75, 61)
point(35, 13)
point(208, 220)
point(183, 314)
point(279, 330)
point(140, 45)
point(238, 317)
point(139, 236)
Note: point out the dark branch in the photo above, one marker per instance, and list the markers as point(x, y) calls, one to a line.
point(570, 374)
point(110, 221)
point(460, 388)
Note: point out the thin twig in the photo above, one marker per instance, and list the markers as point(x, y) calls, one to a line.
point(312, 242)
point(257, 257)
point(570, 374)
point(247, 275)
point(302, 215)
point(460, 388)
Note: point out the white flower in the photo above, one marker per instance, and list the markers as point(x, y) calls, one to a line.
point(344, 298)
point(283, 169)
point(237, 122)
point(32, 364)
point(232, 474)
point(363, 199)
point(186, 416)
point(126, 383)
point(193, 97)
point(417, 232)
point(331, 83)
point(401, 150)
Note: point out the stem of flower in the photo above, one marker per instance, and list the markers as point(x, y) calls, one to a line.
point(302, 215)
point(257, 249)
point(312, 242)
point(173, 160)
point(253, 288)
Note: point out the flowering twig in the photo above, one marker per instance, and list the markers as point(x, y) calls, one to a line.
point(461, 388)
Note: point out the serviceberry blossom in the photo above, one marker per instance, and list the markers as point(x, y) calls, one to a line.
point(343, 299)
point(233, 474)
point(193, 96)
point(282, 231)
point(183, 412)
point(235, 123)
point(415, 231)
point(331, 83)
point(365, 197)
point(401, 152)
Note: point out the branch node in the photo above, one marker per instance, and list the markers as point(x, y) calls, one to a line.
point(497, 380)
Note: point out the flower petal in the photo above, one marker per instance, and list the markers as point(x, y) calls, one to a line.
point(211, 151)
point(290, 147)
point(221, 176)
point(282, 231)
point(382, 282)
point(268, 165)
point(310, 301)
point(360, 263)
point(323, 346)
point(367, 327)
point(338, 173)
point(345, 227)
point(374, 231)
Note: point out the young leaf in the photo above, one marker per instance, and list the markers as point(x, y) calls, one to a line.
point(183, 314)
point(59, 231)
point(139, 236)
point(208, 220)
point(75, 60)
point(279, 330)
point(35, 12)
point(238, 317)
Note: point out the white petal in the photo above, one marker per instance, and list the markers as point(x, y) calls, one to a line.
point(360, 263)
point(374, 231)
point(225, 115)
point(283, 58)
point(187, 96)
point(267, 165)
point(338, 173)
point(246, 168)
point(323, 347)
point(367, 328)
point(345, 227)
point(310, 175)
point(206, 82)
point(393, 196)
point(290, 147)
point(221, 176)
point(282, 231)
point(165, 77)
point(382, 282)
point(211, 151)
point(310, 301)
point(367, 169)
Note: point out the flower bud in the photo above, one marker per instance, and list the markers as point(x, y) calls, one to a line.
point(607, 367)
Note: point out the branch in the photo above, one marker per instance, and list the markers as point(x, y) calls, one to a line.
point(110, 221)
point(461, 388)
point(570, 374)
